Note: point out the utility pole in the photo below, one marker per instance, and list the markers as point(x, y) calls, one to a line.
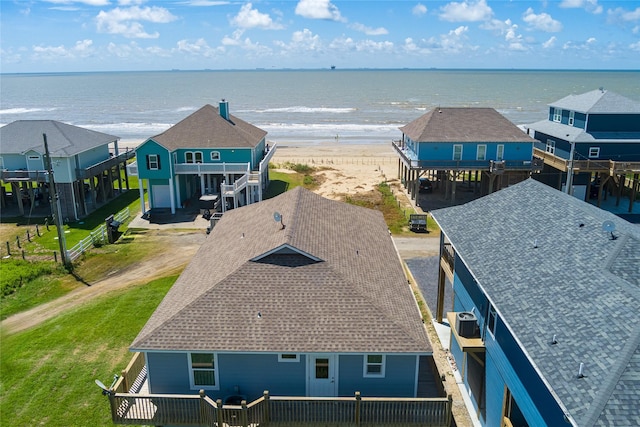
point(55, 206)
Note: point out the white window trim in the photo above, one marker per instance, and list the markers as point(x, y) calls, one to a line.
point(594, 152)
point(500, 152)
point(551, 146)
point(491, 325)
point(175, 158)
point(287, 360)
point(572, 118)
point(365, 364)
point(484, 157)
point(194, 157)
point(454, 151)
point(215, 372)
point(153, 160)
point(557, 115)
point(217, 157)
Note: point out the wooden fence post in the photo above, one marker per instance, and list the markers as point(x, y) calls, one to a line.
point(203, 413)
point(219, 412)
point(244, 419)
point(8, 249)
point(357, 415)
point(28, 236)
point(125, 382)
point(37, 230)
point(24, 257)
point(55, 256)
point(449, 409)
point(267, 404)
point(18, 242)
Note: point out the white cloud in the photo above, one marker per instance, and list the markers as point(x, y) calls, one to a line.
point(206, 3)
point(200, 47)
point(622, 15)
point(125, 21)
point(635, 46)
point(248, 17)
point(81, 49)
point(419, 9)
point(368, 30)
point(466, 11)
point(549, 43)
point(591, 6)
point(302, 41)
point(542, 22)
point(453, 42)
point(319, 9)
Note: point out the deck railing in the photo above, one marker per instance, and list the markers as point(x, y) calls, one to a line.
point(200, 410)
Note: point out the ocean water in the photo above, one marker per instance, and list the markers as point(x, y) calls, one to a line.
point(293, 106)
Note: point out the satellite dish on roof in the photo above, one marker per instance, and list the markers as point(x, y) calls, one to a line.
point(278, 218)
point(609, 227)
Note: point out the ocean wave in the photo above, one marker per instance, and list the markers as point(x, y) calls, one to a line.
point(128, 130)
point(305, 110)
point(22, 110)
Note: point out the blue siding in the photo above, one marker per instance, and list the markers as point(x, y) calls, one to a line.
point(169, 373)
point(513, 151)
point(227, 155)
point(93, 156)
point(399, 379)
point(468, 292)
point(151, 147)
point(255, 373)
point(579, 120)
point(614, 122)
point(14, 161)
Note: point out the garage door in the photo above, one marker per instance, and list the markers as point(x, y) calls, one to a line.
point(161, 196)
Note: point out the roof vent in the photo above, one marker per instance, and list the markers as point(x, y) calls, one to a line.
point(224, 109)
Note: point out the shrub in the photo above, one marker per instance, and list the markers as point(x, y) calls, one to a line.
point(16, 272)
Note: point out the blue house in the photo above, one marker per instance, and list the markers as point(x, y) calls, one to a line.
point(449, 142)
point(544, 327)
point(85, 165)
point(590, 138)
point(298, 295)
point(208, 152)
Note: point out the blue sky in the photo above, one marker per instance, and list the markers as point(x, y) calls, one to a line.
point(122, 35)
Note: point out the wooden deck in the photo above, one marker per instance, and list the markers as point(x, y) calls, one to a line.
point(130, 406)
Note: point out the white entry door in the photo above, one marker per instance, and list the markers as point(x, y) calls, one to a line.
point(322, 375)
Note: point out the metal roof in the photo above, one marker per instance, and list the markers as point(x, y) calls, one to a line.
point(64, 140)
point(599, 101)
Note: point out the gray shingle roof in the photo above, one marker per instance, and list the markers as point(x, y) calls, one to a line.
point(355, 299)
point(598, 101)
point(64, 140)
point(205, 128)
point(464, 125)
point(578, 284)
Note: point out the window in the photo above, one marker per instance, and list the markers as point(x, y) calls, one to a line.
point(153, 162)
point(557, 114)
point(374, 365)
point(500, 153)
point(491, 320)
point(594, 152)
point(34, 157)
point(482, 152)
point(203, 370)
point(572, 115)
point(175, 158)
point(551, 146)
point(188, 157)
point(198, 156)
point(288, 357)
point(457, 152)
point(193, 157)
point(215, 155)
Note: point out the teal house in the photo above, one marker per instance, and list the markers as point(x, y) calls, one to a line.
point(590, 143)
point(543, 325)
point(208, 152)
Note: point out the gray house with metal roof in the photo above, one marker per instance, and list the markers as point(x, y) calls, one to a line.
point(298, 295)
point(591, 137)
point(85, 165)
point(208, 152)
point(544, 326)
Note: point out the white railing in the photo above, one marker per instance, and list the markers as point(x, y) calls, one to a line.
point(97, 235)
point(239, 184)
point(198, 168)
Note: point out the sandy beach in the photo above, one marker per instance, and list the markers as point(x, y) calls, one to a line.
point(343, 169)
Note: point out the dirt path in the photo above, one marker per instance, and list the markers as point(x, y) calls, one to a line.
point(170, 261)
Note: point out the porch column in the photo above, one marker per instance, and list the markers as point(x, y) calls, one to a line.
point(202, 186)
point(172, 195)
point(634, 190)
point(177, 184)
point(143, 208)
point(441, 283)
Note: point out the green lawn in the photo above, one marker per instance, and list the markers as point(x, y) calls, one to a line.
point(47, 374)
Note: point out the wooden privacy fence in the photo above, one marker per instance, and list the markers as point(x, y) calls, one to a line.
point(162, 409)
point(97, 235)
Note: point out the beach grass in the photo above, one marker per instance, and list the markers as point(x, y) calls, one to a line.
point(48, 373)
